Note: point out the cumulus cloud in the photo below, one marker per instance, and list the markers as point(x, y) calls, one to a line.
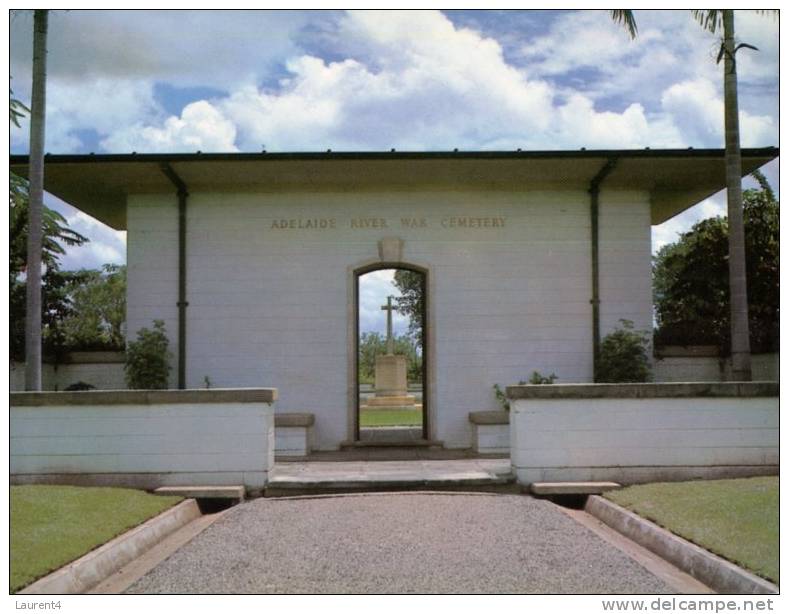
point(201, 126)
point(430, 86)
point(216, 48)
point(374, 287)
point(696, 108)
point(413, 80)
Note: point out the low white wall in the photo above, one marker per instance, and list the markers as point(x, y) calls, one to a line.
point(630, 433)
point(143, 439)
point(694, 368)
point(103, 370)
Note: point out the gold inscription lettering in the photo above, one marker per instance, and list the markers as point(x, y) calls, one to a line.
point(380, 223)
point(369, 222)
point(470, 222)
point(304, 224)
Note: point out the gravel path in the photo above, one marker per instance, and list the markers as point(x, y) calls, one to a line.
point(398, 543)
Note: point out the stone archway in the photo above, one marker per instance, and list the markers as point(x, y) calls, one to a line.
point(427, 390)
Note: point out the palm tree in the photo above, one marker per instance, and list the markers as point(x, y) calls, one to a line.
point(35, 223)
point(711, 20)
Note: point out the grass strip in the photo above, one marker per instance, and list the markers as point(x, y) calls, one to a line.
point(391, 417)
point(54, 525)
point(736, 519)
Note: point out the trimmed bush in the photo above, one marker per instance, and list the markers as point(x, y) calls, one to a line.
point(148, 359)
point(624, 356)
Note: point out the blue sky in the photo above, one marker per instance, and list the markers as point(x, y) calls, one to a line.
point(373, 289)
point(122, 81)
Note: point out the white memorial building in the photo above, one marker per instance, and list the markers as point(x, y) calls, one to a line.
point(253, 262)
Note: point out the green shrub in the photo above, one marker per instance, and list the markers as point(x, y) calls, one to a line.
point(536, 378)
point(148, 359)
point(624, 356)
point(80, 385)
point(539, 378)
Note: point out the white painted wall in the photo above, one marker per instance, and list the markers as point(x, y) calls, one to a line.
point(638, 440)
point(765, 368)
point(270, 307)
point(625, 261)
point(143, 445)
point(101, 375)
point(152, 268)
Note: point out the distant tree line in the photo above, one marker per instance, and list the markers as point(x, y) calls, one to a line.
point(371, 344)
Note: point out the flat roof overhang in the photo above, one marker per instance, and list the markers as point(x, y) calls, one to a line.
point(675, 178)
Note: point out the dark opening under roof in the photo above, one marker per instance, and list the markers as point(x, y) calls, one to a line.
point(674, 178)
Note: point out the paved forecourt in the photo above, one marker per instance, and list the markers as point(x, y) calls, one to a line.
point(399, 543)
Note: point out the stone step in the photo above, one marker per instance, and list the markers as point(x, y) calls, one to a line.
point(376, 476)
point(410, 443)
point(235, 493)
point(548, 489)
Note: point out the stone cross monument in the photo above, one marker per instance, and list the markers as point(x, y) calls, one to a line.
point(389, 337)
point(391, 385)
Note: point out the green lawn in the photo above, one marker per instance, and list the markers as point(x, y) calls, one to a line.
point(391, 417)
point(736, 519)
point(53, 525)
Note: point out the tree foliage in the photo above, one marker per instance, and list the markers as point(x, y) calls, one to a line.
point(690, 278)
point(56, 284)
point(98, 316)
point(57, 234)
point(411, 303)
point(372, 344)
point(148, 359)
point(624, 356)
point(56, 306)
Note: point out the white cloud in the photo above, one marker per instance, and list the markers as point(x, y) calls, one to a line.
point(415, 81)
point(584, 39)
point(200, 127)
point(101, 105)
point(696, 108)
point(214, 48)
point(374, 287)
point(428, 85)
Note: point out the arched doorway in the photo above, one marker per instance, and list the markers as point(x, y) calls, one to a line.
point(391, 354)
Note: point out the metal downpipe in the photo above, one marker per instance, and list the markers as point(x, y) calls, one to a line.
point(183, 195)
point(594, 202)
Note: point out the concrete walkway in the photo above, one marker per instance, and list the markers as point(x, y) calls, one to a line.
point(399, 543)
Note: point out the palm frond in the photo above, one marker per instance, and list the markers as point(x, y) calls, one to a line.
point(626, 18)
point(709, 19)
point(17, 109)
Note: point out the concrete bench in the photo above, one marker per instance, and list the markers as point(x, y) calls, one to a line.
point(490, 431)
point(293, 434)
